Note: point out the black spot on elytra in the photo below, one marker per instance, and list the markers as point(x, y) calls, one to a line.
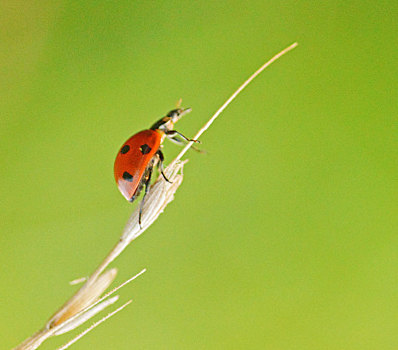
point(125, 149)
point(145, 149)
point(127, 176)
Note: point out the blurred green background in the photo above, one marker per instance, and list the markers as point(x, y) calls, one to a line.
point(284, 236)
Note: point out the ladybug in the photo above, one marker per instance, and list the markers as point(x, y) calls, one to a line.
point(141, 152)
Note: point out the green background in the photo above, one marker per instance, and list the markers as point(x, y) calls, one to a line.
point(284, 236)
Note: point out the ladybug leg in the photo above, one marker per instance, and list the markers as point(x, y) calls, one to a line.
point(160, 165)
point(147, 182)
point(173, 133)
point(178, 141)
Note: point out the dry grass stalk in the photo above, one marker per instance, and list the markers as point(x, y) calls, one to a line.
point(86, 302)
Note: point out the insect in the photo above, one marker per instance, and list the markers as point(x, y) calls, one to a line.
point(140, 153)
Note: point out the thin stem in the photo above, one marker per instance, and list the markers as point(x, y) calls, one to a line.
point(236, 93)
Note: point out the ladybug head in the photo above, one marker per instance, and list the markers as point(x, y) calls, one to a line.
point(167, 122)
point(176, 114)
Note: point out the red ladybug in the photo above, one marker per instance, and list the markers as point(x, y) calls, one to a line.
point(141, 152)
